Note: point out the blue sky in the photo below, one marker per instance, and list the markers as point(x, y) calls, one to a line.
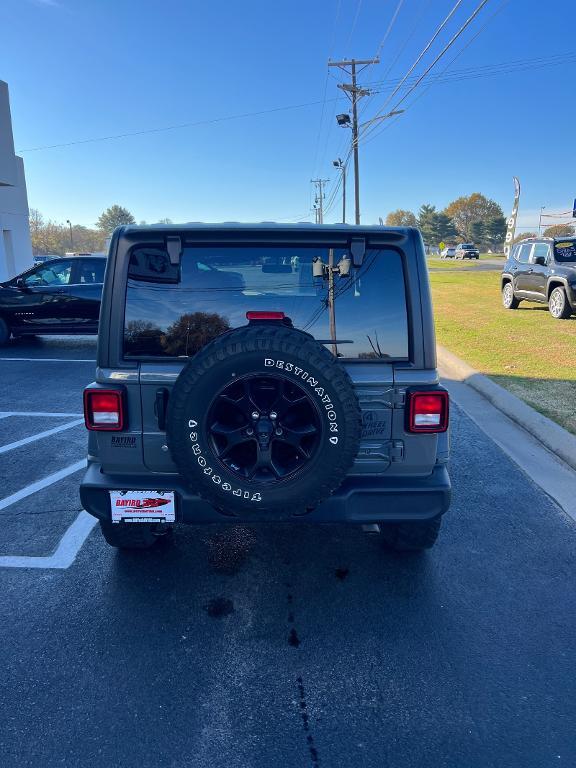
point(79, 69)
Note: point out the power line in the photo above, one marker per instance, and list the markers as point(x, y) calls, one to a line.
point(353, 27)
point(389, 28)
point(179, 126)
point(455, 58)
point(450, 43)
point(332, 37)
point(381, 46)
point(489, 70)
point(331, 121)
point(422, 9)
point(421, 54)
point(463, 75)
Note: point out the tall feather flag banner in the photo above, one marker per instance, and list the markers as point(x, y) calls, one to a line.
point(511, 223)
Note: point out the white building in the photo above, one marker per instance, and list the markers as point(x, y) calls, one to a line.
point(15, 245)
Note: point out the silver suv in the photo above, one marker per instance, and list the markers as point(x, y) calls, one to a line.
point(251, 373)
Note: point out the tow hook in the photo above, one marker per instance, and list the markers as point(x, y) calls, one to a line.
point(371, 528)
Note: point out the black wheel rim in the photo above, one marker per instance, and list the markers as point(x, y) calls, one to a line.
point(265, 429)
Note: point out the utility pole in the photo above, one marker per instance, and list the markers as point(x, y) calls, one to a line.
point(342, 166)
point(354, 93)
point(542, 208)
point(331, 305)
point(319, 207)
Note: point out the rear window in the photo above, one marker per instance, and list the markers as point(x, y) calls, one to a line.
point(174, 311)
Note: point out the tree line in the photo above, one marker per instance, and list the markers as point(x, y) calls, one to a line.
point(475, 219)
point(51, 237)
point(556, 230)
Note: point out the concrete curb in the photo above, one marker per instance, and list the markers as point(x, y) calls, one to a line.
point(547, 432)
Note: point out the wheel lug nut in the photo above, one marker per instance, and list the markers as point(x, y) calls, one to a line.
point(278, 431)
point(255, 415)
point(250, 431)
point(273, 415)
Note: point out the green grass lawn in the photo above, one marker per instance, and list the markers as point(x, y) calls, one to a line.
point(526, 350)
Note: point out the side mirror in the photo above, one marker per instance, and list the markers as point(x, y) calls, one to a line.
point(21, 284)
point(541, 260)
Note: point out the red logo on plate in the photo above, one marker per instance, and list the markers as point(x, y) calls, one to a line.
point(141, 504)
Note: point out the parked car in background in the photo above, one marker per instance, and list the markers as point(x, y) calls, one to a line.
point(40, 258)
point(448, 253)
point(466, 251)
point(60, 296)
point(542, 270)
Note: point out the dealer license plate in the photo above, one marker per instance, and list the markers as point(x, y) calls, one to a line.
point(143, 506)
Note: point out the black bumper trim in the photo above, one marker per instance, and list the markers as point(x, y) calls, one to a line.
point(358, 500)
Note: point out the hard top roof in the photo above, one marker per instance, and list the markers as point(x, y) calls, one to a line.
point(193, 226)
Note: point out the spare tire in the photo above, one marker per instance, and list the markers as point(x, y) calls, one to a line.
point(263, 419)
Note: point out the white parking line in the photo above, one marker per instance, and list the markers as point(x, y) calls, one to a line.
point(5, 414)
point(40, 484)
point(40, 435)
point(47, 360)
point(66, 551)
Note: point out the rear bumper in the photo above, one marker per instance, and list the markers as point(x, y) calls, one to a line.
point(358, 500)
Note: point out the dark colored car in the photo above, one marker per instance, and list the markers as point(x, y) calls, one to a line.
point(542, 270)
point(256, 373)
point(466, 251)
point(60, 296)
point(42, 258)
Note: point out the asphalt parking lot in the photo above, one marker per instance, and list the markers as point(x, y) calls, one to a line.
point(276, 645)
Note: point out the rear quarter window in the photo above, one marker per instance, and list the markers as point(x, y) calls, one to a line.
point(175, 311)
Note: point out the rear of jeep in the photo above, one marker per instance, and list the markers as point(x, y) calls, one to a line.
point(252, 373)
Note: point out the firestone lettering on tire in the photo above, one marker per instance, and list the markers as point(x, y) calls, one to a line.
point(208, 470)
point(319, 390)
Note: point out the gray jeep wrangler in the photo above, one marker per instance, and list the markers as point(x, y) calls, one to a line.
point(251, 373)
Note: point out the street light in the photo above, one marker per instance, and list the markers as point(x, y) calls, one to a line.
point(344, 121)
point(71, 238)
point(542, 208)
point(342, 166)
point(382, 117)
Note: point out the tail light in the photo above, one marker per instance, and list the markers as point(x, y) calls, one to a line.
point(254, 315)
point(104, 409)
point(428, 411)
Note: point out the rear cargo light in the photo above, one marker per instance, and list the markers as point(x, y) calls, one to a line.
point(428, 411)
point(104, 409)
point(265, 315)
